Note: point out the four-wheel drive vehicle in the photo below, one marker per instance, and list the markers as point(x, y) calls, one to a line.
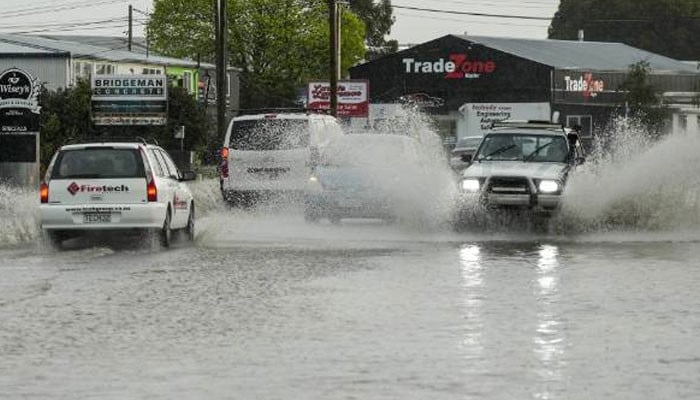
point(115, 186)
point(522, 166)
point(272, 153)
point(465, 145)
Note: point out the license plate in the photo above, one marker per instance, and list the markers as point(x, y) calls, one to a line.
point(97, 218)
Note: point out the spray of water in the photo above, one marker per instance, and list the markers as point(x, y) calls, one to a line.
point(19, 215)
point(633, 182)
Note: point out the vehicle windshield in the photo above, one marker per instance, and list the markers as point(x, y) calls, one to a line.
point(98, 163)
point(523, 147)
point(270, 134)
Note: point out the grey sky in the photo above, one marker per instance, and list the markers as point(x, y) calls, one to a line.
point(108, 17)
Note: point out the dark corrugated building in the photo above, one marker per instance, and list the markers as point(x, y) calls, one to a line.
point(579, 79)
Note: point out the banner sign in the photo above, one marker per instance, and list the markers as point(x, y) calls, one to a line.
point(353, 97)
point(129, 99)
point(19, 105)
point(575, 86)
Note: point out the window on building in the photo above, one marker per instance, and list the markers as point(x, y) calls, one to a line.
point(104, 69)
point(585, 121)
point(151, 71)
point(82, 70)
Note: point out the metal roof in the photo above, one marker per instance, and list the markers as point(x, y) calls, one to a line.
point(81, 50)
point(570, 54)
point(19, 49)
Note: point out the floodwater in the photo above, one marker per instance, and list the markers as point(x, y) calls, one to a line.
point(602, 304)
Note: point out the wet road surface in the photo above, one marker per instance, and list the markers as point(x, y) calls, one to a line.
point(267, 307)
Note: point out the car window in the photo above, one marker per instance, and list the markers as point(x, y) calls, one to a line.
point(166, 168)
point(174, 171)
point(158, 164)
point(269, 134)
point(526, 147)
point(98, 163)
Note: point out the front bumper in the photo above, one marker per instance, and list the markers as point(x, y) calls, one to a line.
point(537, 202)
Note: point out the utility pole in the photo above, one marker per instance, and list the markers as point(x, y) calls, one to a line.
point(221, 84)
point(131, 25)
point(334, 67)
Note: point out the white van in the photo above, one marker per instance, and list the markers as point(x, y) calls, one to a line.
point(272, 153)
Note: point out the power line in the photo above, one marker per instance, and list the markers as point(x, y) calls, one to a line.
point(473, 14)
point(475, 22)
point(66, 7)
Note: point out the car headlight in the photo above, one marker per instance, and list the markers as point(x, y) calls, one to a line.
point(547, 186)
point(471, 185)
point(314, 183)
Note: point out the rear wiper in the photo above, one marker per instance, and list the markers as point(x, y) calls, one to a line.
point(497, 151)
point(537, 150)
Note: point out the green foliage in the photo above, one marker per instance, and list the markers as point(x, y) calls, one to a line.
point(279, 45)
point(378, 17)
point(642, 98)
point(667, 27)
point(65, 117)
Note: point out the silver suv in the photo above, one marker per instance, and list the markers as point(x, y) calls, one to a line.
point(521, 165)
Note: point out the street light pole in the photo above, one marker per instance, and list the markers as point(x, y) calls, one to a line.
point(333, 23)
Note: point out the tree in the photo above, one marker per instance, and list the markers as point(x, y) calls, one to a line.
point(667, 27)
point(378, 18)
point(642, 99)
point(278, 45)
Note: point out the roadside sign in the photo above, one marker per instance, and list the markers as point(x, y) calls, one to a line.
point(353, 97)
point(129, 99)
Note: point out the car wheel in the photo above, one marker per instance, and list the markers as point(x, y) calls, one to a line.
point(53, 239)
point(189, 230)
point(165, 235)
point(311, 215)
point(335, 219)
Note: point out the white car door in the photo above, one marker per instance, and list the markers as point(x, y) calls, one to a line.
point(164, 182)
point(182, 198)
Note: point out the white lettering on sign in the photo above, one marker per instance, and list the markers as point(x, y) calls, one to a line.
point(585, 84)
point(459, 66)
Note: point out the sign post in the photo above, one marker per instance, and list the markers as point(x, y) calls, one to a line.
point(19, 128)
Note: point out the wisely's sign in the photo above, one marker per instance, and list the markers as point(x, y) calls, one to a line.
point(456, 66)
point(353, 97)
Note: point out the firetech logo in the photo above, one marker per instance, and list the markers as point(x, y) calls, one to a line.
point(459, 66)
point(74, 188)
point(585, 84)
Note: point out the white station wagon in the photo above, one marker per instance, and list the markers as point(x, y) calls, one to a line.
point(115, 186)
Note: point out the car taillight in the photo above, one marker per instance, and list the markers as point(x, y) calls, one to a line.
point(44, 192)
point(151, 189)
point(223, 168)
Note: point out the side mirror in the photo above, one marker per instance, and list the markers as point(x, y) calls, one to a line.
point(467, 158)
point(188, 176)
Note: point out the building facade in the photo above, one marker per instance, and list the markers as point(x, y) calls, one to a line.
point(579, 80)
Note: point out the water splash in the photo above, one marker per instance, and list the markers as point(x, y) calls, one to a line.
point(634, 182)
point(19, 215)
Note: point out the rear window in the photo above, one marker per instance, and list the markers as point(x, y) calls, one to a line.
point(269, 134)
point(98, 163)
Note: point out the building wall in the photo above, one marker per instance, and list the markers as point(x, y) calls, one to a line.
point(52, 72)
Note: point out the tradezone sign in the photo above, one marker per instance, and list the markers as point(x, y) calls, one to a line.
point(353, 97)
point(457, 66)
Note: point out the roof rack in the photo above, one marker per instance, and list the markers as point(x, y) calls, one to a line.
point(107, 139)
point(536, 124)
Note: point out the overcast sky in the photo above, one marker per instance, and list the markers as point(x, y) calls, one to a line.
point(109, 17)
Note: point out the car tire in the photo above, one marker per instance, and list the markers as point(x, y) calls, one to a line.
point(335, 219)
point(53, 239)
point(311, 215)
point(190, 228)
point(165, 234)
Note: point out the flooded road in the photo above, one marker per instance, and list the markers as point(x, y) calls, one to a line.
point(603, 304)
point(266, 306)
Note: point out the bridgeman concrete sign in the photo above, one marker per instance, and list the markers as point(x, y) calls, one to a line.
point(129, 99)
